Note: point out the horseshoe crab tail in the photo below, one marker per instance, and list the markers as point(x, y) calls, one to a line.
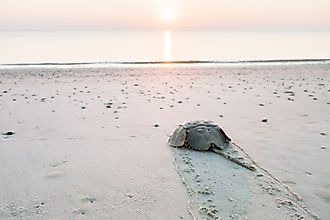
point(233, 159)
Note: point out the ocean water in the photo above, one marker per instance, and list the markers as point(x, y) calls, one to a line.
point(143, 46)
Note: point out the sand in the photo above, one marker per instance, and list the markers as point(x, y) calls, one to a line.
point(92, 141)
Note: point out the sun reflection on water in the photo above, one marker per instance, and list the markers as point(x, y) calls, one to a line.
point(167, 46)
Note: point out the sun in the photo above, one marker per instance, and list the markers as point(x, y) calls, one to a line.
point(168, 15)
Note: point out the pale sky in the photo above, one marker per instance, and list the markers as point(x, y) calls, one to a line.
point(161, 14)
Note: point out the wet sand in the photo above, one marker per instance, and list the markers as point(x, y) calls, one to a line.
point(92, 142)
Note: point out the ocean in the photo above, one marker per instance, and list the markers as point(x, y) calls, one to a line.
point(26, 47)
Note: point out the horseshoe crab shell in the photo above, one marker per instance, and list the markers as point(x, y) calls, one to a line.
point(199, 135)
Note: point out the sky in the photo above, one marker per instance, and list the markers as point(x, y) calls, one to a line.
point(162, 14)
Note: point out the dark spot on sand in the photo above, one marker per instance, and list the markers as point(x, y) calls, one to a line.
point(323, 133)
point(129, 195)
point(8, 133)
point(264, 120)
point(290, 92)
point(156, 125)
point(90, 200)
point(308, 173)
point(83, 107)
point(80, 212)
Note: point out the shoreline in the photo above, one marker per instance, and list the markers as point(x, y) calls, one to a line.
point(270, 61)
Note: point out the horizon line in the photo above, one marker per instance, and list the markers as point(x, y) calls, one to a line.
point(236, 28)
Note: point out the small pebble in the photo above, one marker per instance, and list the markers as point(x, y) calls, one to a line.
point(156, 125)
point(8, 133)
point(129, 195)
point(264, 120)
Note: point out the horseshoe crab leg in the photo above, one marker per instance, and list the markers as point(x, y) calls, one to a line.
point(233, 159)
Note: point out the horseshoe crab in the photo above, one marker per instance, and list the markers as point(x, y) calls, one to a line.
point(206, 135)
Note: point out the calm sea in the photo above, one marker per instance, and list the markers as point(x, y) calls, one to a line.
point(132, 46)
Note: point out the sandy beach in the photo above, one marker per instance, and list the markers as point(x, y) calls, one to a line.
point(91, 142)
